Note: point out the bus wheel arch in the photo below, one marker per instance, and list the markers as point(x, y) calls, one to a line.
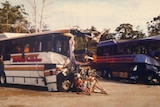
point(107, 74)
point(2, 78)
point(63, 83)
point(104, 74)
point(149, 77)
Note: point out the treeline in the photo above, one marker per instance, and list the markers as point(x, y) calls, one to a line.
point(14, 19)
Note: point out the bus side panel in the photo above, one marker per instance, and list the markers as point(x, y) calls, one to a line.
point(130, 71)
point(25, 74)
point(15, 77)
point(119, 70)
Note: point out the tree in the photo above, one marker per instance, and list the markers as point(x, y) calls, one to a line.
point(125, 31)
point(107, 35)
point(138, 34)
point(13, 18)
point(38, 14)
point(154, 26)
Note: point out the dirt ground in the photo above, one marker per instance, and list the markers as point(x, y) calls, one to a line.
point(120, 95)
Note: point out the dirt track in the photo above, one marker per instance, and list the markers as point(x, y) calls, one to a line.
point(121, 95)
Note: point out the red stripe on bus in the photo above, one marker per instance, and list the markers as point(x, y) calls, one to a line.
point(104, 59)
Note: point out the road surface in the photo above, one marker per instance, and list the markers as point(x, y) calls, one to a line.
point(120, 95)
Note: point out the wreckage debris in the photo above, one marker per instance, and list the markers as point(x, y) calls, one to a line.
point(86, 82)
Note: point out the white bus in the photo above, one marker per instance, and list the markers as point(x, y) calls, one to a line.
point(38, 59)
point(133, 60)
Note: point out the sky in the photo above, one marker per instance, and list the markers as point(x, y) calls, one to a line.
point(60, 14)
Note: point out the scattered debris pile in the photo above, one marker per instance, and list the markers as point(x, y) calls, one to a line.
point(86, 82)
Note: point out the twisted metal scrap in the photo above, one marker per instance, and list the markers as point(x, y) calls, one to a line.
point(86, 82)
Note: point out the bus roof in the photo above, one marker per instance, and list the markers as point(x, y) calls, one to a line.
point(7, 36)
point(112, 42)
point(157, 37)
point(11, 35)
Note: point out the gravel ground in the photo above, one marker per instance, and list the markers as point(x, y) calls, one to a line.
point(120, 95)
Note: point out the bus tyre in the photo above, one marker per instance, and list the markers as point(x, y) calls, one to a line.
point(109, 75)
point(104, 74)
point(149, 79)
point(63, 84)
point(2, 78)
point(66, 85)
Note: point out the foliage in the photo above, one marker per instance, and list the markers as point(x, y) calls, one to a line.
point(107, 36)
point(86, 39)
point(85, 43)
point(154, 26)
point(12, 18)
point(91, 36)
point(126, 31)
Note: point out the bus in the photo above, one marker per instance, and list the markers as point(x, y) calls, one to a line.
point(136, 61)
point(38, 59)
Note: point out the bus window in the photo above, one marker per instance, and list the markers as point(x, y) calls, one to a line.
point(61, 45)
point(47, 43)
point(2, 47)
point(7, 51)
point(31, 44)
point(26, 48)
point(105, 51)
point(16, 45)
point(36, 45)
point(120, 49)
point(100, 51)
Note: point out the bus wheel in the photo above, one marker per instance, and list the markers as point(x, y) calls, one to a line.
point(2, 78)
point(104, 74)
point(63, 84)
point(66, 85)
point(109, 75)
point(149, 79)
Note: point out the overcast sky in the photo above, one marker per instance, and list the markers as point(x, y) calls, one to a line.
point(99, 13)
